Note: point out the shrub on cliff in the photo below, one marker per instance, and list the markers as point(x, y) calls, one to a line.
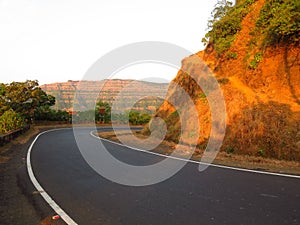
point(279, 20)
point(225, 24)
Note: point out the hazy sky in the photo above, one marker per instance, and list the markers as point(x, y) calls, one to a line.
point(58, 40)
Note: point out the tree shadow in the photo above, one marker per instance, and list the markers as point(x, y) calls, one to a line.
point(287, 68)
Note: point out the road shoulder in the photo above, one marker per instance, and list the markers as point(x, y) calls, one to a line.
point(20, 203)
point(257, 163)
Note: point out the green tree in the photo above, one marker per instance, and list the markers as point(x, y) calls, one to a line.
point(10, 121)
point(46, 113)
point(134, 117)
point(3, 104)
point(214, 24)
point(103, 112)
point(225, 24)
point(144, 118)
point(24, 98)
point(220, 10)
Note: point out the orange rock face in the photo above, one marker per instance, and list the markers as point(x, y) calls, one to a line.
point(263, 104)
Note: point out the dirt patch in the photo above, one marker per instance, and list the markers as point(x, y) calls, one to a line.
point(223, 158)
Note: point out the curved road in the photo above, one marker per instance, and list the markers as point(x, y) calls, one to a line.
point(215, 196)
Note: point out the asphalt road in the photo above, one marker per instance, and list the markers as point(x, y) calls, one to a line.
point(215, 196)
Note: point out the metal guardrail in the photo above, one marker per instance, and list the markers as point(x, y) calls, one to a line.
point(6, 138)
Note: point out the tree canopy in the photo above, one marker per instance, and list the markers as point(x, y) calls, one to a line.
point(10, 120)
point(225, 23)
point(23, 98)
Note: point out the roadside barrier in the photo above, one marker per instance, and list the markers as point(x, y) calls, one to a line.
point(6, 138)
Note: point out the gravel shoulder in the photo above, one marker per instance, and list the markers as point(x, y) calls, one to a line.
point(234, 160)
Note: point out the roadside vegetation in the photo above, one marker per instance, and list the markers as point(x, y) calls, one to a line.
point(23, 103)
point(10, 120)
point(103, 114)
point(19, 101)
point(278, 23)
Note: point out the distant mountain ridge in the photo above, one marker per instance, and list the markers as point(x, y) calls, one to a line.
point(64, 92)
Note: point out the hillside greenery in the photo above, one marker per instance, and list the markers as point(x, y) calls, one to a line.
point(225, 24)
point(278, 21)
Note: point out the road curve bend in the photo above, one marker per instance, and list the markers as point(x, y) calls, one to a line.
point(216, 196)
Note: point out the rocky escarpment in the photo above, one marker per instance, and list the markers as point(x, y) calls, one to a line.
point(260, 85)
point(107, 91)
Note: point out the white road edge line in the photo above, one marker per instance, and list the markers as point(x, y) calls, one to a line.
point(39, 188)
point(68, 219)
point(197, 162)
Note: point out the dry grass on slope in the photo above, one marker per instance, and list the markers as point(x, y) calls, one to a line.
point(262, 102)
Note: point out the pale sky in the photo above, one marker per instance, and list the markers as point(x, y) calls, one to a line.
point(58, 40)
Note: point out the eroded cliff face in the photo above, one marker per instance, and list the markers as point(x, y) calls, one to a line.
point(107, 91)
point(262, 104)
